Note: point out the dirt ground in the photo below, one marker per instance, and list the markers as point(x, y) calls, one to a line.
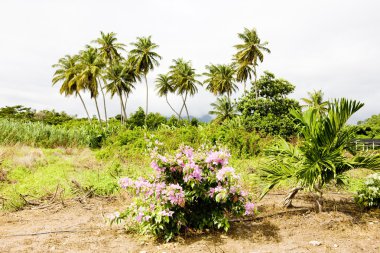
point(80, 227)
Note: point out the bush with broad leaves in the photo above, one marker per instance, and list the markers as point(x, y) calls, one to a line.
point(191, 190)
point(369, 195)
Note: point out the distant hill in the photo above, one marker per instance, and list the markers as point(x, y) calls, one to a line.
point(205, 118)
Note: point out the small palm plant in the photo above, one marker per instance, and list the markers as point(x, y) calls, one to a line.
point(223, 109)
point(320, 157)
point(315, 100)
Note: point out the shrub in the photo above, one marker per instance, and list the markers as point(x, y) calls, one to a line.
point(191, 190)
point(369, 195)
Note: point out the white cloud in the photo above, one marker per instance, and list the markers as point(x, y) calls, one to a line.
point(329, 45)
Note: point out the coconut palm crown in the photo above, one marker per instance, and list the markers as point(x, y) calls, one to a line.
point(220, 79)
point(249, 53)
point(144, 59)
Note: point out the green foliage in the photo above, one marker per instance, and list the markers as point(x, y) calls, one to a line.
point(369, 128)
point(17, 112)
point(26, 114)
point(153, 120)
point(369, 195)
point(320, 155)
point(241, 143)
point(270, 112)
point(39, 134)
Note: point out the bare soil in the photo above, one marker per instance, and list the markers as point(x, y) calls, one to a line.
point(80, 227)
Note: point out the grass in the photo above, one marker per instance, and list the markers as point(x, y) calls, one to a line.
point(34, 174)
point(30, 173)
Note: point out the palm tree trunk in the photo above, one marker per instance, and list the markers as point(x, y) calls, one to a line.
point(187, 112)
point(125, 106)
point(97, 109)
point(104, 103)
point(84, 105)
point(121, 109)
point(167, 101)
point(318, 198)
point(256, 90)
point(146, 102)
point(183, 106)
point(289, 198)
point(121, 114)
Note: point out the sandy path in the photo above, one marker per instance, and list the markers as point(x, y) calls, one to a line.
point(82, 229)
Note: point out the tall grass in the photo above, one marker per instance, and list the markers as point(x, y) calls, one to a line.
point(81, 134)
point(42, 135)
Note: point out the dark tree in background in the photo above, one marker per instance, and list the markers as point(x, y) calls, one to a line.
point(270, 112)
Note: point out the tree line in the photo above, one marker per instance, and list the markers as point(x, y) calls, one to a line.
point(105, 66)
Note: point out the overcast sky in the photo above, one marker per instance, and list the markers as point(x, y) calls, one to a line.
point(328, 45)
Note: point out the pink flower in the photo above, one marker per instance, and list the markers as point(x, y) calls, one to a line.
point(218, 158)
point(162, 158)
point(166, 213)
point(125, 182)
point(139, 217)
point(197, 174)
point(249, 208)
point(112, 216)
point(175, 195)
point(192, 171)
point(211, 192)
point(188, 152)
point(155, 166)
point(225, 173)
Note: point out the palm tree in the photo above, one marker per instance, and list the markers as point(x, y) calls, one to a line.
point(90, 65)
point(144, 59)
point(220, 79)
point(315, 101)
point(243, 72)
point(120, 82)
point(67, 69)
point(164, 86)
point(321, 155)
point(183, 77)
point(249, 53)
point(109, 48)
point(223, 109)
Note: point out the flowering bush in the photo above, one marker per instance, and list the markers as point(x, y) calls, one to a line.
point(191, 190)
point(369, 195)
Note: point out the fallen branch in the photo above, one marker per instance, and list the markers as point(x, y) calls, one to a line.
point(298, 210)
point(27, 201)
point(54, 232)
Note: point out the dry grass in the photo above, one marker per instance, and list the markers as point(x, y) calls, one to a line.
point(28, 157)
point(84, 159)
